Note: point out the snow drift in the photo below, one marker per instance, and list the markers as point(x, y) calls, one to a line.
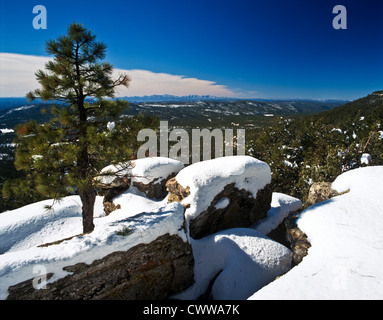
point(345, 260)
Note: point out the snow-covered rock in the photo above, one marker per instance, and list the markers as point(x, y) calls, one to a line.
point(149, 175)
point(24, 230)
point(345, 260)
point(242, 260)
point(222, 193)
point(245, 252)
point(281, 206)
point(146, 271)
point(239, 260)
point(146, 170)
point(208, 178)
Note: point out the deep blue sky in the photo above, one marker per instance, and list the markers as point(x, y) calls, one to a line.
point(276, 49)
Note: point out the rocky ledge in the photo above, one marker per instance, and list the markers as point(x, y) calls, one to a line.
point(145, 272)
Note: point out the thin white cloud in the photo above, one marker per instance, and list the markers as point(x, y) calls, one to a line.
point(17, 78)
point(147, 83)
point(17, 73)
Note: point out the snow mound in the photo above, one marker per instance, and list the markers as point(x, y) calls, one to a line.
point(244, 260)
point(143, 170)
point(281, 206)
point(345, 260)
point(208, 178)
point(33, 225)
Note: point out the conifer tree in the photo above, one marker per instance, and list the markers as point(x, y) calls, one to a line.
point(86, 132)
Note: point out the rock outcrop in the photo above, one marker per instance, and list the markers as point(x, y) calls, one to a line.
point(156, 189)
point(149, 175)
point(320, 191)
point(289, 234)
point(242, 211)
point(219, 194)
point(237, 198)
point(146, 272)
point(176, 192)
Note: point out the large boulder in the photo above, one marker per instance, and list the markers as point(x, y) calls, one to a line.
point(155, 270)
point(149, 175)
point(222, 193)
point(141, 256)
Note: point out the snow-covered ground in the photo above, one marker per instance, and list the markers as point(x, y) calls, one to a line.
point(247, 258)
point(345, 260)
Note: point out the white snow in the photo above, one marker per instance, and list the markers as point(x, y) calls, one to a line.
point(337, 129)
point(110, 126)
point(281, 206)
point(208, 178)
point(222, 203)
point(345, 260)
point(22, 230)
point(365, 158)
point(22, 108)
point(17, 109)
point(246, 259)
point(143, 170)
point(288, 163)
point(6, 130)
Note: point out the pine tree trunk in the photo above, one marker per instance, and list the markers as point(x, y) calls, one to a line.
point(87, 195)
point(88, 199)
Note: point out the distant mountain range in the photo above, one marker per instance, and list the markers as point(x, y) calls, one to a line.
point(215, 109)
point(12, 102)
point(170, 98)
point(207, 109)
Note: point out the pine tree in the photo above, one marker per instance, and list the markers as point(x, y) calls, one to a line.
point(68, 152)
